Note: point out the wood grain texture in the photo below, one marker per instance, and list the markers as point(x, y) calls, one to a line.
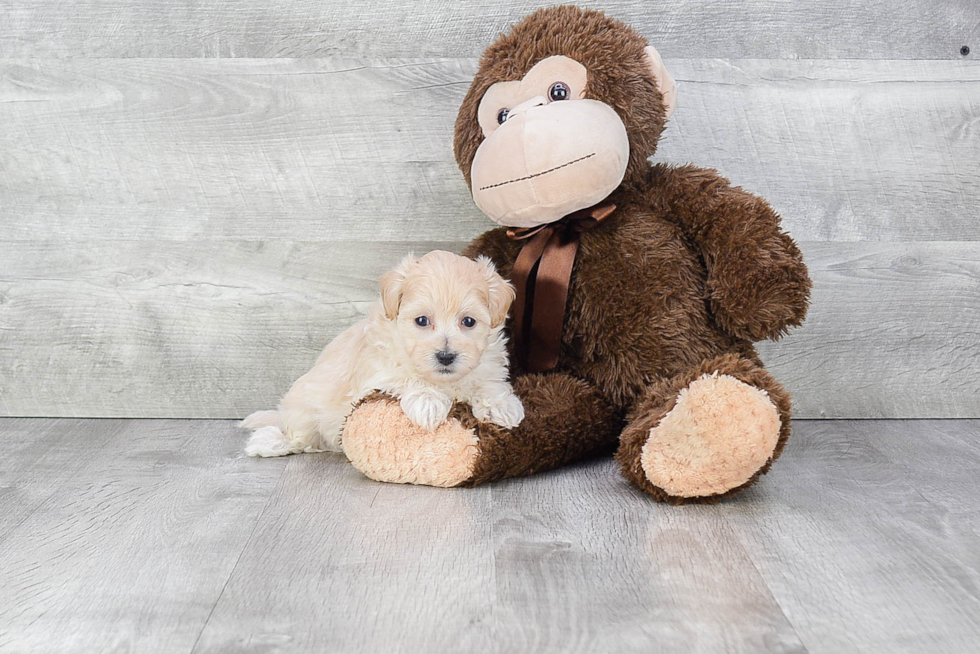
point(40, 456)
point(181, 237)
point(361, 150)
point(854, 551)
point(953, 451)
point(221, 328)
point(133, 548)
point(820, 29)
point(892, 333)
point(342, 563)
point(584, 563)
point(180, 150)
point(164, 538)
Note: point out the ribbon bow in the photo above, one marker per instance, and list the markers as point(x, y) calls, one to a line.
point(541, 276)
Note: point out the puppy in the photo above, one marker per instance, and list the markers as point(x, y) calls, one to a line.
point(435, 336)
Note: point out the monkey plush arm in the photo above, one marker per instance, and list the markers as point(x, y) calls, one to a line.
point(758, 285)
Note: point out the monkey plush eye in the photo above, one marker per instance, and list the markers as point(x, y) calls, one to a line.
point(502, 116)
point(468, 322)
point(422, 321)
point(559, 91)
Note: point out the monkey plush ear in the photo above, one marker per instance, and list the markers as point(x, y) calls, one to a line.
point(501, 293)
point(668, 88)
point(391, 287)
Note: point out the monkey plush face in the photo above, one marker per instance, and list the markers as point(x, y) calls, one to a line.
point(562, 110)
point(547, 149)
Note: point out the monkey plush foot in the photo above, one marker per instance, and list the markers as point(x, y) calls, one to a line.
point(707, 434)
point(382, 443)
point(718, 435)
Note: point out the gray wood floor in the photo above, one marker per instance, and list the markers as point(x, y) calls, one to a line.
point(158, 535)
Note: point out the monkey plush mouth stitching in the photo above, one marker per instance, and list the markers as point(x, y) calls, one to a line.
point(543, 172)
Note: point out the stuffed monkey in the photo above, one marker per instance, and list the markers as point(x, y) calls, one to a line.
point(641, 288)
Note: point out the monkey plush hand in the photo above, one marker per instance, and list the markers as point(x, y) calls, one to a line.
point(641, 287)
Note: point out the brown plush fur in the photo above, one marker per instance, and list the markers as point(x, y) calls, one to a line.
point(678, 282)
point(571, 420)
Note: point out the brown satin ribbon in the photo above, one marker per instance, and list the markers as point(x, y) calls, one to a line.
point(541, 276)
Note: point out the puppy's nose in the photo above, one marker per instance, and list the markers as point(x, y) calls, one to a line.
point(445, 357)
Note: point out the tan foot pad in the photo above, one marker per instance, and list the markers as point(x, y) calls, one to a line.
point(720, 432)
point(381, 442)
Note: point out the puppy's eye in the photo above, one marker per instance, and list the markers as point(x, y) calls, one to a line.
point(468, 322)
point(559, 91)
point(422, 321)
point(502, 116)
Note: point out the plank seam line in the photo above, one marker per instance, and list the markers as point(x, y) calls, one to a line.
point(248, 541)
point(782, 611)
point(495, 616)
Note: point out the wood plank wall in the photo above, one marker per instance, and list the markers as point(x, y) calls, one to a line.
point(195, 197)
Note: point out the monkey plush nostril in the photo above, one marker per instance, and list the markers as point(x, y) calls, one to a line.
point(445, 357)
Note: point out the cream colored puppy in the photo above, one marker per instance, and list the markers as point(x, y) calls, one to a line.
point(435, 336)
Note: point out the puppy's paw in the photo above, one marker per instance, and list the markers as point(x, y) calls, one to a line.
point(505, 410)
point(426, 409)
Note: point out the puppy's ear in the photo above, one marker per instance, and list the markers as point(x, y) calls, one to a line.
point(500, 293)
point(391, 286)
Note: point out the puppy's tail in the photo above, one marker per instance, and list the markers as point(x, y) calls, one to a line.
point(270, 441)
point(261, 419)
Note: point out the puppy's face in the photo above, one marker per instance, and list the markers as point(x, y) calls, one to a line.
point(447, 309)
